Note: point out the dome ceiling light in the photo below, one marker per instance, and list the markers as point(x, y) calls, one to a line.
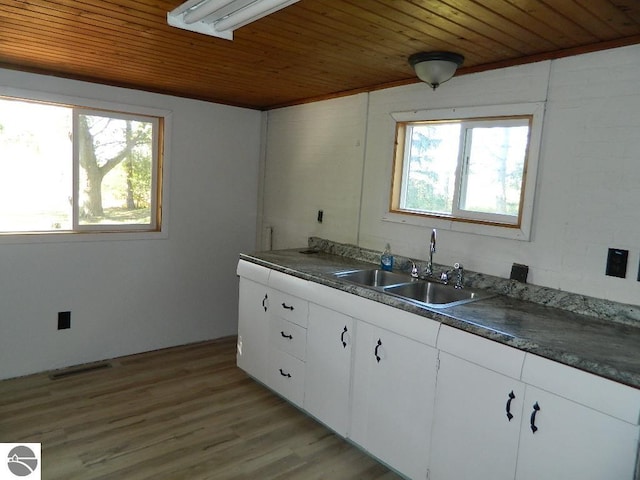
point(435, 68)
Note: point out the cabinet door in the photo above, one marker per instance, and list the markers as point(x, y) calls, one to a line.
point(573, 442)
point(253, 328)
point(328, 368)
point(477, 420)
point(393, 393)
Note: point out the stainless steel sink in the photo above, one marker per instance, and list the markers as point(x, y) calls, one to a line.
point(373, 277)
point(436, 295)
point(421, 292)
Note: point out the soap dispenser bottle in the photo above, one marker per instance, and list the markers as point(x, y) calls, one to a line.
point(386, 259)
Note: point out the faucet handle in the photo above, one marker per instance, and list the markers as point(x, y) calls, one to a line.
point(459, 269)
point(414, 269)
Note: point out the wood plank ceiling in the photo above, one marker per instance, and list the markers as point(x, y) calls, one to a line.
point(310, 50)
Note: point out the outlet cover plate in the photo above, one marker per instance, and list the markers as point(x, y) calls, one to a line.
point(64, 320)
point(617, 262)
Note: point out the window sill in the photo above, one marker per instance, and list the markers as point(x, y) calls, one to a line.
point(507, 231)
point(71, 237)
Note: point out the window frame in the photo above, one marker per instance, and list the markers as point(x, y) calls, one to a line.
point(156, 172)
point(463, 163)
point(158, 227)
point(476, 222)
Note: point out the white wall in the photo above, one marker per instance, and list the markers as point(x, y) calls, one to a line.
point(129, 296)
point(588, 176)
point(314, 161)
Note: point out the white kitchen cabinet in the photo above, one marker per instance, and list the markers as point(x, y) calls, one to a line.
point(328, 367)
point(253, 328)
point(573, 442)
point(272, 332)
point(473, 438)
point(378, 388)
point(478, 408)
point(394, 381)
point(477, 420)
point(587, 429)
point(286, 356)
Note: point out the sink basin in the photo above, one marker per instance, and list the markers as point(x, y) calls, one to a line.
point(425, 293)
point(436, 295)
point(373, 277)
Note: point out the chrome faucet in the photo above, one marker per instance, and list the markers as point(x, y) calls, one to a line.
point(432, 249)
point(459, 271)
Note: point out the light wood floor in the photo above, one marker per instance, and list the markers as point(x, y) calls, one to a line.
point(181, 413)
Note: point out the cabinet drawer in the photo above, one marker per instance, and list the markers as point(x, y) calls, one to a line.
point(486, 353)
point(606, 396)
point(253, 272)
point(286, 376)
point(289, 307)
point(288, 337)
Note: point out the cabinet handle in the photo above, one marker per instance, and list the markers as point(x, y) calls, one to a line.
point(290, 337)
point(284, 305)
point(344, 344)
point(536, 409)
point(288, 375)
point(375, 352)
point(264, 302)
point(511, 397)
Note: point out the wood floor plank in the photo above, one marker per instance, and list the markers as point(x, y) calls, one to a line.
point(180, 413)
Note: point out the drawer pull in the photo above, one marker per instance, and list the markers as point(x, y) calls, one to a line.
point(290, 337)
point(288, 375)
point(344, 344)
point(536, 409)
point(264, 302)
point(288, 307)
point(511, 397)
point(375, 352)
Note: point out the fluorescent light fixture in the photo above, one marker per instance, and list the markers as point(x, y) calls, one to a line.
point(220, 18)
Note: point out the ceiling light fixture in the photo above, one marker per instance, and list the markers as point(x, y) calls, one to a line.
point(435, 68)
point(220, 18)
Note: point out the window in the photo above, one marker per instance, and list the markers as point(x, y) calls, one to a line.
point(73, 169)
point(466, 168)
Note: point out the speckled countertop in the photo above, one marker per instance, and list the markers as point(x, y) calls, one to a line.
point(601, 346)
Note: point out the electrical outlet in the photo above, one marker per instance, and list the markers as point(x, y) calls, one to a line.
point(519, 272)
point(64, 320)
point(617, 262)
